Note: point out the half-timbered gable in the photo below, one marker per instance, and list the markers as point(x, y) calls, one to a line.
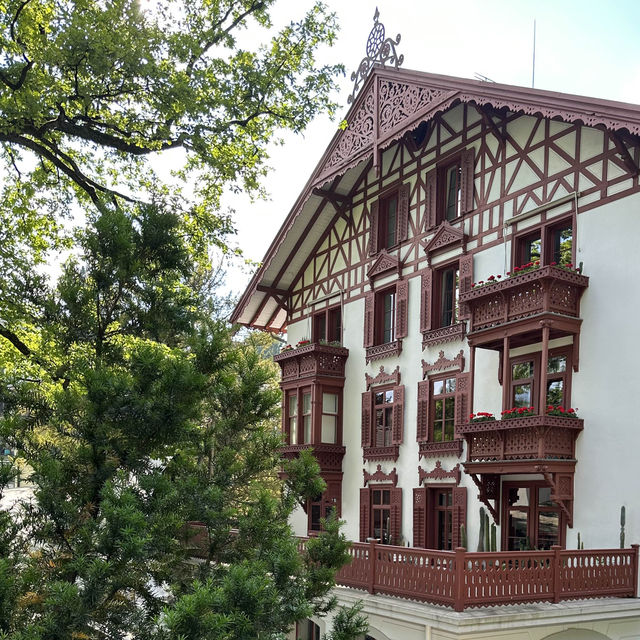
point(448, 286)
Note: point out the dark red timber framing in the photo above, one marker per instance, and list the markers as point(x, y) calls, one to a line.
point(591, 145)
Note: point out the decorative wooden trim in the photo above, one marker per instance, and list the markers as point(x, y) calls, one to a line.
point(402, 309)
point(446, 237)
point(380, 476)
point(488, 487)
point(443, 335)
point(379, 351)
point(433, 449)
point(381, 453)
point(444, 363)
point(426, 295)
point(438, 473)
point(383, 377)
point(383, 265)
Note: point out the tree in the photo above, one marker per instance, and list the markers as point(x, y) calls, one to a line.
point(144, 417)
point(131, 404)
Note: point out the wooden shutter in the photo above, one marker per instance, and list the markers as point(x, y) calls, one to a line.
point(466, 278)
point(373, 232)
point(466, 180)
point(422, 427)
point(431, 199)
point(463, 382)
point(369, 319)
point(426, 285)
point(398, 414)
point(402, 303)
point(396, 515)
point(419, 517)
point(367, 410)
point(365, 500)
point(459, 515)
point(403, 212)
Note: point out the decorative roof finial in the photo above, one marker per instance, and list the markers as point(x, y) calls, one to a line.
point(380, 50)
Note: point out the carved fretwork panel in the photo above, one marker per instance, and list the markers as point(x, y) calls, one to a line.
point(489, 489)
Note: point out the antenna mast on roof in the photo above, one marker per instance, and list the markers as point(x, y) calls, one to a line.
point(380, 50)
point(533, 70)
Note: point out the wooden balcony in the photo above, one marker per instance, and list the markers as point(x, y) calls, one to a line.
point(532, 438)
point(462, 579)
point(521, 302)
point(312, 360)
point(329, 456)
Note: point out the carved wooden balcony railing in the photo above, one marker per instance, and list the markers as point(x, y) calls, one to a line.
point(312, 360)
point(530, 438)
point(462, 579)
point(546, 290)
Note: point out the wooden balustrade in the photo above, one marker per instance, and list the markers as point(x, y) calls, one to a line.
point(462, 579)
point(313, 359)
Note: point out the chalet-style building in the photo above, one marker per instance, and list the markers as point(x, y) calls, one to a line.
point(467, 248)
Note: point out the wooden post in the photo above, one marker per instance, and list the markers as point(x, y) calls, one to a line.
point(372, 565)
point(506, 378)
point(544, 366)
point(636, 558)
point(460, 585)
point(557, 586)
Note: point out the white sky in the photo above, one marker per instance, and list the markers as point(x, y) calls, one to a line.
point(588, 47)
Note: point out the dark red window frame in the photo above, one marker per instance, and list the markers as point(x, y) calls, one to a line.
point(547, 234)
point(327, 325)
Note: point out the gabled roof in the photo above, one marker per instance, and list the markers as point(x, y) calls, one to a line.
point(391, 103)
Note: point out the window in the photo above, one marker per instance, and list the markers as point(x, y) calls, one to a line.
point(327, 325)
point(443, 393)
point(532, 519)
point(381, 514)
point(525, 379)
point(386, 320)
point(451, 206)
point(449, 189)
point(388, 222)
point(438, 513)
point(548, 243)
point(443, 402)
point(382, 422)
point(301, 416)
point(322, 506)
point(307, 630)
point(447, 294)
point(389, 219)
point(383, 407)
point(386, 324)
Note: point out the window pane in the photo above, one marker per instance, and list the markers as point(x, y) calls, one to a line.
point(438, 387)
point(388, 396)
point(293, 405)
point(517, 528)
point(315, 517)
point(531, 249)
point(522, 395)
point(376, 497)
point(307, 429)
point(522, 370)
point(439, 406)
point(329, 429)
point(388, 321)
point(519, 497)
point(453, 193)
point(329, 403)
point(306, 403)
point(392, 212)
point(321, 326)
point(449, 407)
point(386, 497)
point(449, 430)
point(449, 297)
point(557, 364)
point(544, 497)
point(335, 325)
point(450, 385)
point(379, 399)
point(562, 240)
point(293, 430)
point(555, 392)
point(548, 527)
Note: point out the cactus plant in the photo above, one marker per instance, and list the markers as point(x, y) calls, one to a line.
point(481, 535)
point(623, 514)
point(493, 537)
point(487, 546)
point(463, 536)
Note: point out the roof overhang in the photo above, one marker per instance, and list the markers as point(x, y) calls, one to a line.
point(392, 103)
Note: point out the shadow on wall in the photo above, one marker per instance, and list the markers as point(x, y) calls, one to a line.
point(577, 634)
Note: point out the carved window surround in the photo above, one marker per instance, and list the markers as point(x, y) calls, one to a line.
point(438, 474)
point(383, 377)
point(452, 333)
point(434, 449)
point(444, 363)
point(380, 476)
point(392, 452)
point(385, 264)
point(386, 350)
point(446, 237)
